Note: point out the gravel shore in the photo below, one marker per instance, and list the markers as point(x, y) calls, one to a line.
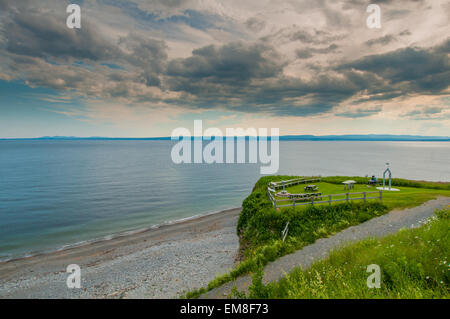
point(158, 263)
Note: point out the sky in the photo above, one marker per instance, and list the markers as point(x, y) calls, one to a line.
point(142, 68)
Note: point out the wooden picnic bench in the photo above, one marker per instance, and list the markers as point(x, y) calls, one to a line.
point(349, 184)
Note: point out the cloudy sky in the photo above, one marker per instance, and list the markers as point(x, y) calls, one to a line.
point(142, 68)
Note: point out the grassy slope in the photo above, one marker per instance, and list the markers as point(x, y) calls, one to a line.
point(259, 225)
point(414, 263)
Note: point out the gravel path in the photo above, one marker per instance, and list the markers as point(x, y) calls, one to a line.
point(376, 227)
point(160, 263)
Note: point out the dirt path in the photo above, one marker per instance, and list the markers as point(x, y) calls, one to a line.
point(376, 227)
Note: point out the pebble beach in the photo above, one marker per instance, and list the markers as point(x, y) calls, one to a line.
point(158, 263)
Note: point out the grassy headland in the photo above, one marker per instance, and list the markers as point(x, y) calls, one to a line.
point(260, 225)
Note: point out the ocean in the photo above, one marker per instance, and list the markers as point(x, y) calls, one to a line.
point(56, 194)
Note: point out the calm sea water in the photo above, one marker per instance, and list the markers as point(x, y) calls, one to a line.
point(59, 193)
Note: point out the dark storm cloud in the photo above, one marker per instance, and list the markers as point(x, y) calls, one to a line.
point(381, 40)
point(255, 24)
point(235, 63)
point(149, 55)
point(309, 52)
point(384, 93)
point(433, 110)
point(422, 112)
point(358, 113)
point(239, 76)
point(313, 37)
point(410, 69)
point(396, 14)
point(13, 4)
point(405, 32)
point(248, 78)
point(37, 45)
point(28, 34)
point(444, 48)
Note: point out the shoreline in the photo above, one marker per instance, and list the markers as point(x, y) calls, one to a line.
point(110, 237)
point(136, 257)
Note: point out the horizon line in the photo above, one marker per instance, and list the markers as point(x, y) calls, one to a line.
point(353, 137)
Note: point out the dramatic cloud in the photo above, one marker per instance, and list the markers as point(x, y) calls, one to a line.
point(28, 34)
point(361, 112)
point(310, 52)
point(382, 40)
point(422, 112)
point(410, 70)
point(290, 58)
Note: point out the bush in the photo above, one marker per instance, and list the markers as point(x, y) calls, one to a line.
point(259, 224)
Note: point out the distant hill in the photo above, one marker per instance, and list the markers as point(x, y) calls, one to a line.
point(360, 137)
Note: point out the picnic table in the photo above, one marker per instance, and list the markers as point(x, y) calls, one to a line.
point(349, 184)
point(311, 188)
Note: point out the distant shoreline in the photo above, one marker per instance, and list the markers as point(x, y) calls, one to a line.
point(357, 137)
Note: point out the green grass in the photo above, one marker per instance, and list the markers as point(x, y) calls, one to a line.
point(395, 181)
point(259, 225)
point(414, 263)
point(412, 193)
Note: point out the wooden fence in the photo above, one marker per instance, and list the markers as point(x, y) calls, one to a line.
point(296, 202)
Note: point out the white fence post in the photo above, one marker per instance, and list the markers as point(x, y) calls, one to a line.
point(285, 231)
